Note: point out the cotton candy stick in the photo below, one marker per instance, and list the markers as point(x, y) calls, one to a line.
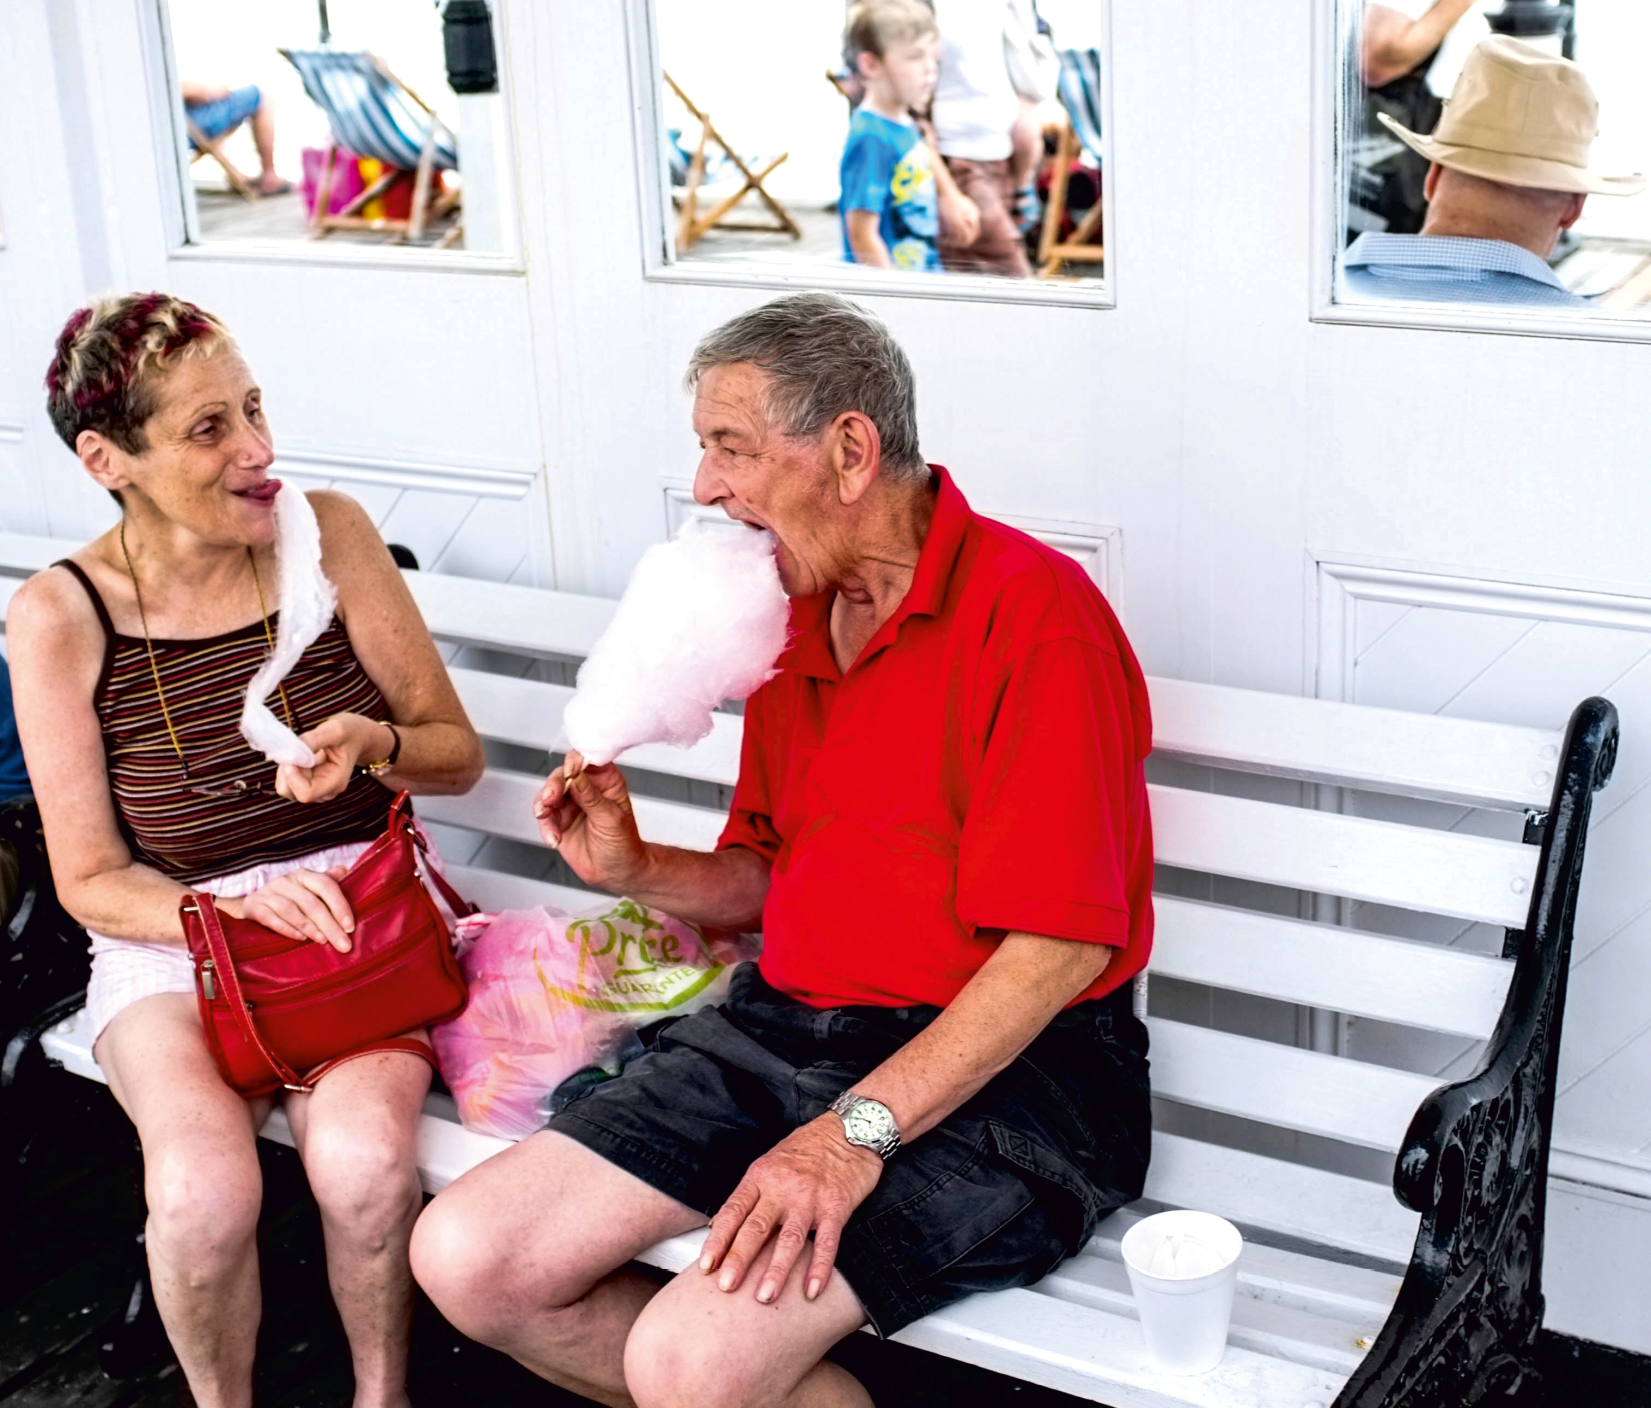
point(703, 620)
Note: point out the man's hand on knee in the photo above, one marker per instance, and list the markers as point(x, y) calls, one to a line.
point(811, 1181)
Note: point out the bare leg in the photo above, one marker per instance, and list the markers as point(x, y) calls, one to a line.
point(203, 1186)
point(355, 1135)
point(263, 137)
point(527, 1253)
point(696, 1345)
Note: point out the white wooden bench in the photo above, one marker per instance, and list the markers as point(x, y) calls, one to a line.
point(1346, 1294)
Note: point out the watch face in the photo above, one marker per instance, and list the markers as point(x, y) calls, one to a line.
point(869, 1123)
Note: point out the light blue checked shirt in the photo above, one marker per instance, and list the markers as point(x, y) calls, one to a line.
point(1452, 269)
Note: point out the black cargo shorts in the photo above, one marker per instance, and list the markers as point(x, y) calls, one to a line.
point(1010, 1184)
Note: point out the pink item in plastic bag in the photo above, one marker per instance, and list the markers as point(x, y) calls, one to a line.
point(552, 995)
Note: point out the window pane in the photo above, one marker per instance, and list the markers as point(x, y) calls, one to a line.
point(355, 135)
point(1472, 175)
point(961, 139)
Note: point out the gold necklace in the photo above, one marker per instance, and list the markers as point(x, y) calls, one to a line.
point(149, 647)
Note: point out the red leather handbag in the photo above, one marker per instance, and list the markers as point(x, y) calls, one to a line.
point(282, 1012)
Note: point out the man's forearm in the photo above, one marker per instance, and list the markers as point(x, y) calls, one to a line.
point(1000, 1011)
point(1393, 45)
point(719, 889)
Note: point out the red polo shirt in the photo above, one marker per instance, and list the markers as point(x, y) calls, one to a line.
point(978, 769)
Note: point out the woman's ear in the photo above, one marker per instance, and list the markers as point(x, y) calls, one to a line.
point(102, 460)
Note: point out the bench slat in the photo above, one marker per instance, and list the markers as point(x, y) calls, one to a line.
point(493, 891)
point(1318, 965)
point(1092, 1351)
point(1323, 965)
point(1439, 872)
point(1308, 1091)
point(8, 589)
point(1354, 1295)
point(22, 554)
point(501, 804)
point(529, 712)
point(1385, 750)
point(1248, 1188)
point(1381, 750)
point(1281, 1331)
point(1284, 1198)
point(1465, 876)
point(522, 620)
point(1452, 760)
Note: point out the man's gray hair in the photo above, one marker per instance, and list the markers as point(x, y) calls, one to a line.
point(823, 356)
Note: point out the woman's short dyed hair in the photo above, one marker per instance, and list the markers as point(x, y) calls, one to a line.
point(105, 375)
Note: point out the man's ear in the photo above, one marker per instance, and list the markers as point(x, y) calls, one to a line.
point(857, 454)
point(1431, 184)
point(101, 460)
point(1573, 211)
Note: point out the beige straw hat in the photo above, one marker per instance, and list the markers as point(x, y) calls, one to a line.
point(1519, 116)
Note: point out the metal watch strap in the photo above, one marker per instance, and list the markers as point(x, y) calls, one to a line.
point(846, 1102)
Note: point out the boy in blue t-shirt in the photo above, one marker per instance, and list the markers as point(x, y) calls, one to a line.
point(889, 204)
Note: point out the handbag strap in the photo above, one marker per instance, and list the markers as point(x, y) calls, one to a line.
point(455, 901)
point(410, 1044)
point(401, 818)
point(218, 946)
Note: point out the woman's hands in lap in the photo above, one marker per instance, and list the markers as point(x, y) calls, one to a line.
point(339, 743)
point(302, 904)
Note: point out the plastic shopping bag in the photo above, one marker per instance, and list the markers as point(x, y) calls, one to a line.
point(555, 997)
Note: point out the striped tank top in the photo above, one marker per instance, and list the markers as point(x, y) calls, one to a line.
point(218, 811)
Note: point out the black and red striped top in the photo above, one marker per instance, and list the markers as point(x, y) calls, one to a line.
point(218, 811)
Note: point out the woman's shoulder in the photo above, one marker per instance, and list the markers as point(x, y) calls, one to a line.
point(350, 544)
point(339, 515)
point(54, 611)
point(57, 596)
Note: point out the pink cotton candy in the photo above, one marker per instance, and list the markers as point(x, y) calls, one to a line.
point(703, 620)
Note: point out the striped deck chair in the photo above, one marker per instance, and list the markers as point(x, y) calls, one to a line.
point(373, 114)
point(1080, 94)
point(691, 222)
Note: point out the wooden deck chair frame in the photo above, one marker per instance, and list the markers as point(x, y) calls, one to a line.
point(424, 211)
point(690, 223)
point(1084, 245)
point(214, 148)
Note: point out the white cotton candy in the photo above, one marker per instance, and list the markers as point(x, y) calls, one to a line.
point(307, 602)
point(703, 620)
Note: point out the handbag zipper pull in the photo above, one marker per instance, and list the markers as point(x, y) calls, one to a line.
point(208, 985)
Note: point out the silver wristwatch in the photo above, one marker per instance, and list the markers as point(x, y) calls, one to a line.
point(868, 1123)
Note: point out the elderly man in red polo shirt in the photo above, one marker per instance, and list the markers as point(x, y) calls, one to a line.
point(932, 1083)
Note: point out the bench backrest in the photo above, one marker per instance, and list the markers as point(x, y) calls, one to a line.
point(1247, 887)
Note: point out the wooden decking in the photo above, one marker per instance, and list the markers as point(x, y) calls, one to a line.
point(74, 1207)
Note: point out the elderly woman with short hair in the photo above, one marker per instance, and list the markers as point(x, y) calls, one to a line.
point(131, 660)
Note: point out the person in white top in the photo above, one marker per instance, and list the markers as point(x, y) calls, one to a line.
point(986, 133)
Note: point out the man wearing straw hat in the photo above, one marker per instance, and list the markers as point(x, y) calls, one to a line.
point(1510, 173)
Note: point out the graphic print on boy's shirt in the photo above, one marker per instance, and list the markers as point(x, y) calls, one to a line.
point(887, 169)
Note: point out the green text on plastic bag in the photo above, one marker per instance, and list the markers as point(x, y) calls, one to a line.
point(650, 971)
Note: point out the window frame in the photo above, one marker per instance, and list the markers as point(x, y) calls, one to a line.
point(184, 240)
point(1330, 109)
point(660, 265)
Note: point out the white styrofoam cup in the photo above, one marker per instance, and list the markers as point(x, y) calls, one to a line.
point(1183, 1268)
